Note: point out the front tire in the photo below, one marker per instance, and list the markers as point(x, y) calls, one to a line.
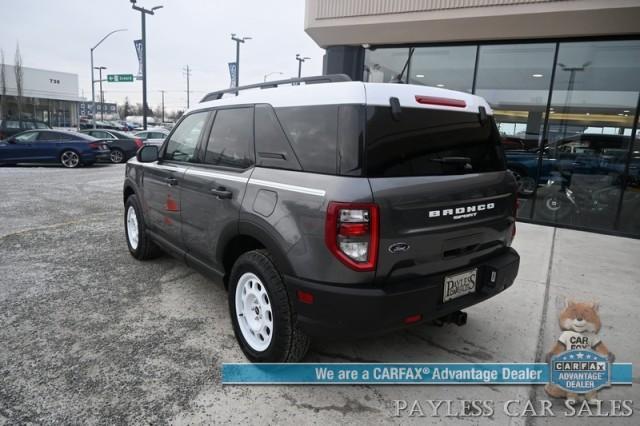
point(261, 314)
point(140, 246)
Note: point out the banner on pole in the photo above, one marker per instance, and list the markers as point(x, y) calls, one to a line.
point(233, 71)
point(139, 50)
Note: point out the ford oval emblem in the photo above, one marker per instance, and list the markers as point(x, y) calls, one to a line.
point(399, 247)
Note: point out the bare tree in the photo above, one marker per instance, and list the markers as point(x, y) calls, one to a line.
point(3, 89)
point(19, 77)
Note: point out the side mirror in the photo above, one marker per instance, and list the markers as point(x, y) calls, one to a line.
point(147, 154)
point(11, 140)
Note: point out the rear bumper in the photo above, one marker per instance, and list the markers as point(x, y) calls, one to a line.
point(339, 311)
point(103, 155)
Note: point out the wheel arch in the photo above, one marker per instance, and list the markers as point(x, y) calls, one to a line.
point(252, 237)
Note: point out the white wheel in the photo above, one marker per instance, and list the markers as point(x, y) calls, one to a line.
point(70, 159)
point(132, 227)
point(253, 312)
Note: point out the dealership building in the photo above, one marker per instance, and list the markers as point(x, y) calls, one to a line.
point(562, 76)
point(49, 96)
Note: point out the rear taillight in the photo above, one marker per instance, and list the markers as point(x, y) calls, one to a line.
point(352, 233)
point(138, 142)
point(95, 145)
point(435, 100)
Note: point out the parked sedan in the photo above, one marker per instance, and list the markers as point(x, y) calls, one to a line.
point(13, 126)
point(71, 149)
point(152, 136)
point(122, 145)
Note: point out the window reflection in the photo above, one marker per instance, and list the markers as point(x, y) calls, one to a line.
point(594, 98)
point(384, 65)
point(447, 67)
point(515, 79)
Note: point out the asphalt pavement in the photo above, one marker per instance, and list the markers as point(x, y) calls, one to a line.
point(90, 335)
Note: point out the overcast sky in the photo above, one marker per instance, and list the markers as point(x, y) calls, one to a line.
point(58, 35)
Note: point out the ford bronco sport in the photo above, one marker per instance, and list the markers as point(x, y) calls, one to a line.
point(330, 207)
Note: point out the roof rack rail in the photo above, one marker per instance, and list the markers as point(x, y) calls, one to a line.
point(316, 79)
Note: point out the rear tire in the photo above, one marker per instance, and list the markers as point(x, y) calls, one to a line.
point(140, 245)
point(70, 159)
point(117, 156)
point(262, 316)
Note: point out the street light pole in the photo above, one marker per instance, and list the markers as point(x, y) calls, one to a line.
point(300, 60)
point(238, 40)
point(93, 82)
point(143, 13)
point(101, 92)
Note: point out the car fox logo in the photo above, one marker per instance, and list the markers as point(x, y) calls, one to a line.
point(465, 212)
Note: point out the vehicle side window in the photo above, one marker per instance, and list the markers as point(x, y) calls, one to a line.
point(144, 136)
point(272, 147)
point(67, 137)
point(48, 136)
point(231, 139)
point(184, 139)
point(40, 125)
point(28, 125)
point(157, 136)
point(11, 124)
point(313, 133)
point(27, 137)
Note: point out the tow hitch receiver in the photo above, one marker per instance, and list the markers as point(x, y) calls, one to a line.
point(458, 318)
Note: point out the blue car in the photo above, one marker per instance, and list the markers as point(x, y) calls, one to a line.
point(71, 149)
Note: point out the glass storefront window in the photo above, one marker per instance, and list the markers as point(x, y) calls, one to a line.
point(595, 93)
point(630, 214)
point(450, 67)
point(515, 79)
point(384, 65)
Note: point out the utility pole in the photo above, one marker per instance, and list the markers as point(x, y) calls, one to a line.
point(238, 40)
point(187, 72)
point(93, 82)
point(101, 94)
point(300, 60)
point(143, 13)
point(162, 91)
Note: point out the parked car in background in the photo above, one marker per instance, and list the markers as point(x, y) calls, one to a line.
point(13, 126)
point(152, 136)
point(123, 146)
point(71, 149)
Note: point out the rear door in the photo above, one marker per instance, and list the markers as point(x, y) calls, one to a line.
point(47, 144)
point(163, 180)
point(439, 178)
point(214, 187)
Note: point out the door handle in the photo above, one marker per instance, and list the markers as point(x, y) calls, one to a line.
point(221, 192)
point(171, 181)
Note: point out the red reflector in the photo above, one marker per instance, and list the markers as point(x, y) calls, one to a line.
point(434, 100)
point(412, 318)
point(305, 297)
point(353, 229)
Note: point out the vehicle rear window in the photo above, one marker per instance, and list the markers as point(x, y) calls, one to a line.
point(428, 142)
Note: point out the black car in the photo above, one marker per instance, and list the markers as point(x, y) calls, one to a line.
point(122, 146)
point(13, 126)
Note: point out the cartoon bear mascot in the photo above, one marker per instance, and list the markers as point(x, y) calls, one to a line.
point(580, 324)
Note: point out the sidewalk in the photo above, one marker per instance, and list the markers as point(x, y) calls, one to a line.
point(518, 326)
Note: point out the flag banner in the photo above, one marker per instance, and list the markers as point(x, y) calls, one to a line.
point(423, 373)
point(139, 50)
point(233, 70)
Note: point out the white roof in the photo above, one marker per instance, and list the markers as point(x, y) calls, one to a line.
point(352, 92)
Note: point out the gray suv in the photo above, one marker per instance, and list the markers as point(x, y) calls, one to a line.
point(330, 208)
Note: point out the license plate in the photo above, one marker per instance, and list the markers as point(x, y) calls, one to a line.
point(459, 284)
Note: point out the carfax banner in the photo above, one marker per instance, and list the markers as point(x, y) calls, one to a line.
point(573, 374)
